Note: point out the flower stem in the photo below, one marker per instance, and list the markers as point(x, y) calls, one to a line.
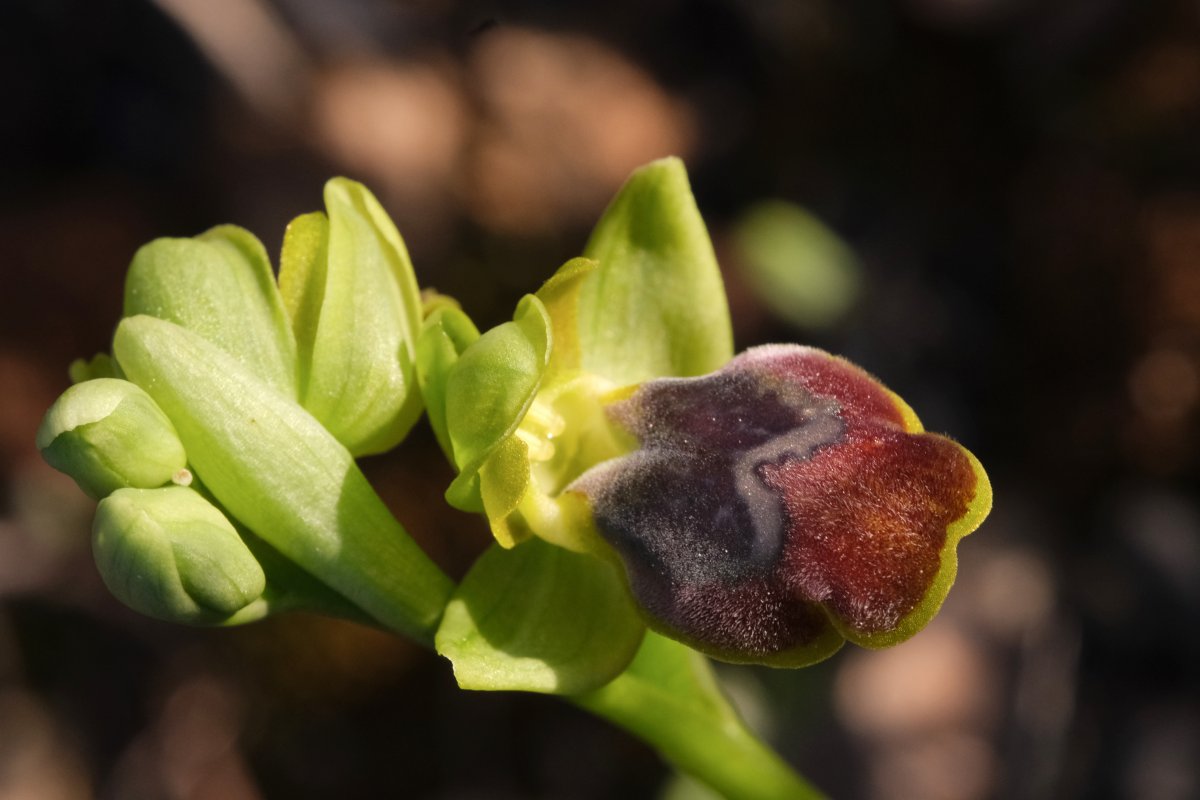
point(670, 699)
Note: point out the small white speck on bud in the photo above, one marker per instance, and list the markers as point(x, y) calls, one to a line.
point(182, 478)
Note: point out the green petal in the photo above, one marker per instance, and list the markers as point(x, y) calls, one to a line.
point(220, 286)
point(656, 305)
point(356, 311)
point(491, 387)
point(280, 472)
point(503, 481)
point(445, 336)
point(539, 618)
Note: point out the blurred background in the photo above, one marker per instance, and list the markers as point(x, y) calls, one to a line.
point(993, 205)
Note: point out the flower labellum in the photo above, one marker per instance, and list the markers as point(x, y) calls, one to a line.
point(782, 505)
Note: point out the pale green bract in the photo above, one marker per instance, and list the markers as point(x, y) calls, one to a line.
point(539, 618)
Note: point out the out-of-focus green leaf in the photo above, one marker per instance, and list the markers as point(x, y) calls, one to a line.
point(101, 365)
point(797, 266)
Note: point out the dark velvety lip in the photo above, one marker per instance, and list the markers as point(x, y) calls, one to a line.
point(783, 504)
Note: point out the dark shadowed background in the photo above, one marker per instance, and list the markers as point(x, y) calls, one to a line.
point(993, 205)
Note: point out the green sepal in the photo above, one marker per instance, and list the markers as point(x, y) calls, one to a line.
point(539, 618)
point(560, 295)
point(170, 554)
point(218, 285)
point(356, 313)
point(656, 306)
point(489, 390)
point(108, 434)
point(302, 262)
point(445, 335)
point(281, 473)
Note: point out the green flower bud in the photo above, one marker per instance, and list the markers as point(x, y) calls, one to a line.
point(108, 434)
point(349, 289)
point(219, 285)
point(280, 473)
point(170, 554)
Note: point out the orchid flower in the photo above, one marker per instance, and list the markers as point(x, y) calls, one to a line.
point(650, 494)
point(761, 509)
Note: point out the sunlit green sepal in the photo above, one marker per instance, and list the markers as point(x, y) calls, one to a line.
point(302, 277)
point(490, 389)
point(539, 618)
point(108, 434)
point(560, 295)
point(170, 554)
point(356, 312)
point(275, 468)
point(220, 286)
point(445, 335)
point(656, 305)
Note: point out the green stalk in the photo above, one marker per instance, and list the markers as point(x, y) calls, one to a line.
point(670, 699)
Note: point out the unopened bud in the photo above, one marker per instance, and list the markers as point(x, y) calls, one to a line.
point(171, 554)
point(108, 434)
